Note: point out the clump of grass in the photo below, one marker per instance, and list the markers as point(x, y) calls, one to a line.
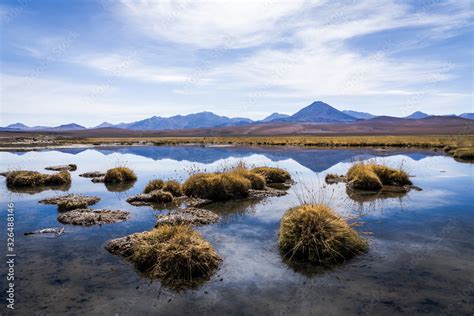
point(257, 181)
point(464, 153)
point(160, 196)
point(120, 174)
point(361, 176)
point(59, 178)
point(391, 176)
point(273, 175)
point(316, 234)
point(153, 185)
point(173, 187)
point(23, 178)
point(371, 176)
point(175, 254)
point(217, 186)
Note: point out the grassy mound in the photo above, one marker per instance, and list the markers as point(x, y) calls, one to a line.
point(173, 187)
point(217, 186)
point(370, 176)
point(120, 174)
point(33, 179)
point(464, 153)
point(315, 233)
point(273, 175)
point(391, 176)
point(154, 185)
point(257, 181)
point(160, 196)
point(175, 254)
point(361, 176)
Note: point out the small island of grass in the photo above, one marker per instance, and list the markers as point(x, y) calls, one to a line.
point(315, 233)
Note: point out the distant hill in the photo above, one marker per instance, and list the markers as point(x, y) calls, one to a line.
point(275, 116)
point(359, 115)
point(198, 120)
point(417, 115)
point(467, 115)
point(68, 127)
point(104, 125)
point(319, 112)
point(18, 126)
point(316, 112)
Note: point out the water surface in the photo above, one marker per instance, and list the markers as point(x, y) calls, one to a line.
point(420, 259)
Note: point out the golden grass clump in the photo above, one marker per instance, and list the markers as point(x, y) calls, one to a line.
point(257, 181)
point(316, 234)
point(464, 153)
point(391, 176)
point(173, 187)
point(361, 176)
point(120, 174)
point(153, 185)
point(371, 176)
point(25, 178)
point(217, 186)
point(273, 175)
point(160, 196)
point(175, 253)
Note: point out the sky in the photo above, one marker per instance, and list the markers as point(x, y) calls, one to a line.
point(121, 61)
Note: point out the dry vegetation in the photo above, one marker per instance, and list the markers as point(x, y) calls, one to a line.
point(371, 176)
point(316, 234)
point(419, 141)
point(234, 183)
point(176, 254)
point(120, 174)
point(30, 179)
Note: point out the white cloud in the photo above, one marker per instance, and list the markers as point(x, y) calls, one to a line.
point(318, 60)
point(210, 24)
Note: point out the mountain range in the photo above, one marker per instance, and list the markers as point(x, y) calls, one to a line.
point(316, 112)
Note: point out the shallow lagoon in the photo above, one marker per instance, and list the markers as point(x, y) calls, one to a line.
point(420, 257)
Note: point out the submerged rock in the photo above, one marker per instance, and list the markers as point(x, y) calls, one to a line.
point(87, 217)
point(189, 216)
point(69, 167)
point(57, 231)
point(92, 174)
point(267, 192)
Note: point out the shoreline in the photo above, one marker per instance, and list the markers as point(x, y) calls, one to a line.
point(40, 142)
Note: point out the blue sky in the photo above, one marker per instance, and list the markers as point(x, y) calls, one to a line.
point(120, 61)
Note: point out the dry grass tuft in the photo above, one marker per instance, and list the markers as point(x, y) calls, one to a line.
point(217, 186)
point(175, 254)
point(371, 176)
point(273, 175)
point(119, 174)
point(154, 185)
point(160, 196)
point(173, 187)
point(257, 181)
point(316, 234)
point(33, 179)
point(464, 153)
point(362, 177)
